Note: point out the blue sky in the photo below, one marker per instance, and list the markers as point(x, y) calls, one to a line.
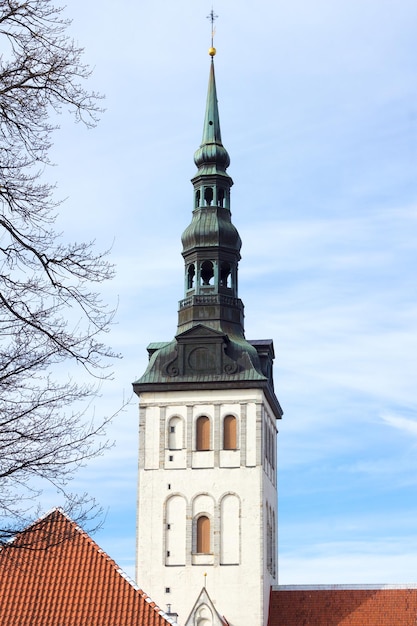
point(318, 109)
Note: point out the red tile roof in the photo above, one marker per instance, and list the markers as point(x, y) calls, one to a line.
point(63, 578)
point(343, 607)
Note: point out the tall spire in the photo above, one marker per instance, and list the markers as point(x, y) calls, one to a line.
point(210, 347)
point(212, 157)
point(211, 243)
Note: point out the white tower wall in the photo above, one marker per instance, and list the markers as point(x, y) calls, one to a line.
point(235, 489)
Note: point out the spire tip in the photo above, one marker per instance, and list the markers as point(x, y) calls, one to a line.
point(212, 17)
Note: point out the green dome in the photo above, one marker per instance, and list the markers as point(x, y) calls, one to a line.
point(212, 154)
point(211, 227)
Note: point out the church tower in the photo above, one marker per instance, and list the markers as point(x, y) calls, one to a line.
point(207, 497)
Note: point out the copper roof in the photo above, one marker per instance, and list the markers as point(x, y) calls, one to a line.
point(343, 607)
point(54, 574)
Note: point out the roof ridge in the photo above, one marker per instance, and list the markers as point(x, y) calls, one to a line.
point(104, 554)
point(54, 527)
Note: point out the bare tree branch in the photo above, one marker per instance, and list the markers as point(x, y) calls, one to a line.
point(50, 311)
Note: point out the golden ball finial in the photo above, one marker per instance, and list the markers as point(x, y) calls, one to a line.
point(212, 51)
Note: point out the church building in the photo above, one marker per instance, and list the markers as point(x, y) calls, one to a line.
point(207, 512)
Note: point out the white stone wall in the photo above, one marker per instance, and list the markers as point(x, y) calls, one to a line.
point(235, 489)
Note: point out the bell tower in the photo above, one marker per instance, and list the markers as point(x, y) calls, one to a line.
point(207, 495)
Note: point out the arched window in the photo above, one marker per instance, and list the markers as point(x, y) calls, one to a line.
point(204, 616)
point(203, 433)
point(225, 274)
point(229, 433)
point(190, 276)
point(175, 433)
point(207, 272)
point(197, 198)
point(208, 196)
point(203, 535)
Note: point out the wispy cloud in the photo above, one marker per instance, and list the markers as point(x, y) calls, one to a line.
point(405, 424)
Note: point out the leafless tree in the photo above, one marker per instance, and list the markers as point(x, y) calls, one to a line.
point(50, 311)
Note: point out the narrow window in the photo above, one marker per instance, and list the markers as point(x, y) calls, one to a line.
point(229, 433)
point(220, 197)
point(197, 198)
point(203, 433)
point(203, 535)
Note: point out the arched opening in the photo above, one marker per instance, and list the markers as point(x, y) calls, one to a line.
point(203, 433)
point(203, 535)
point(175, 433)
point(220, 197)
point(208, 195)
point(190, 276)
point(175, 530)
point(197, 198)
point(207, 272)
point(204, 616)
point(229, 433)
point(225, 273)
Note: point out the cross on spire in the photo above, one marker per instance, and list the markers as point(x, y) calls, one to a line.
point(212, 17)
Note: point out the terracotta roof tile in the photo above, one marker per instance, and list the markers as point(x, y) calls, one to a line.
point(63, 578)
point(343, 607)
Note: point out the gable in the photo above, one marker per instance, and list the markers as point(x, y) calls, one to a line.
point(55, 574)
point(201, 331)
point(204, 612)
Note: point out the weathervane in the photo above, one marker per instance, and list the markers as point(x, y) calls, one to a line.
point(212, 17)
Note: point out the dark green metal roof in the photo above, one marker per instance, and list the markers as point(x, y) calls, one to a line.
point(211, 227)
point(210, 350)
point(204, 358)
point(211, 157)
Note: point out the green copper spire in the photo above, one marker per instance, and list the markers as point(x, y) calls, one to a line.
point(209, 350)
point(211, 243)
point(212, 156)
